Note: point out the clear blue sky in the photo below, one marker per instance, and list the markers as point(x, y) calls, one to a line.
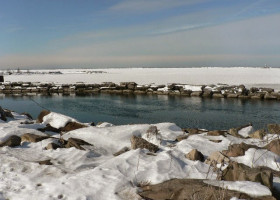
point(139, 33)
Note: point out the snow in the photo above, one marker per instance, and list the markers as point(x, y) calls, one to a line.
point(57, 120)
point(194, 76)
point(245, 132)
point(96, 174)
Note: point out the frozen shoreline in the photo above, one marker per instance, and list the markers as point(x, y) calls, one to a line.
point(263, 77)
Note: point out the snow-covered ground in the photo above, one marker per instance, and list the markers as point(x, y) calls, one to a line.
point(96, 174)
point(268, 77)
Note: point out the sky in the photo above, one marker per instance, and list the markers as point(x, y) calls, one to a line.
point(139, 33)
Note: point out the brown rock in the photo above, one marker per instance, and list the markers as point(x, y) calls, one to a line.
point(273, 128)
point(234, 132)
point(27, 114)
point(240, 172)
point(77, 143)
point(259, 134)
point(274, 146)
point(235, 150)
point(45, 162)
point(12, 141)
point(181, 137)
point(49, 128)
point(193, 131)
point(42, 114)
point(188, 189)
point(29, 137)
point(52, 146)
point(216, 133)
point(70, 126)
point(138, 142)
point(217, 158)
point(123, 150)
point(195, 155)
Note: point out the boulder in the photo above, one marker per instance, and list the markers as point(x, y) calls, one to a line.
point(195, 155)
point(274, 146)
point(240, 172)
point(29, 137)
point(12, 141)
point(42, 114)
point(216, 133)
point(53, 146)
point(270, 96)
point(196, 93)
point(77, 143)
point(27, 115)
point(273, 128)
point(181, 137)
point(191, 189)
point(45, 162)
point(259, 134)
point(234, 132)
point(49, 128)
point(123, 150)
point(235, 150)
point(193, 131)
point(4, 113)
point(217, 158)
point(138, 142)
point(70, 126)
point(218, 95)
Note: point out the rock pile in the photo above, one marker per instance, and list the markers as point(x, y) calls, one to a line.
point(80, 88)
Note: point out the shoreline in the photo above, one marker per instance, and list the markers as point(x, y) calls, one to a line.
point(132, 88)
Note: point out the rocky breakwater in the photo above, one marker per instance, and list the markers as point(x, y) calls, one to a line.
point(80, 88)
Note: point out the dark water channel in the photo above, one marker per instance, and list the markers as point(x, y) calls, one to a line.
point(184, 111)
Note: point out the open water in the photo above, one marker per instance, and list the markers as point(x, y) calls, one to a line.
point(186, 112)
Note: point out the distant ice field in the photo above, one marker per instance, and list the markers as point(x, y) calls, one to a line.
point(261, 77)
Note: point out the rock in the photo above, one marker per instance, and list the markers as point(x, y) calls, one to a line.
point(77, 143)
point(42, 114)
point(181, 137)
point(196, 94)
point(274, 146)
point(190, 189)
point(49, 128)
point(218, 95)
point(12, 141)
point(240, 172)
point(45, 162)
point(217, 158)
point(70, 126)
point(52, 146)
point(152, 131)
point(4, 113)
point(234, 132)
point(216, 133)
point(123, 150)
point(193, 131)
point(270, 96)
point(29, 137)
point(195, 155)
point(138, 142)
point(230, 95)
point(273, 128)
point(259, 134)
point(28, 115)
point(235, 150)
point(216, 141)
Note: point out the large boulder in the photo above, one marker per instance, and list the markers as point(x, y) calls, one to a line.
point(273, 128)
point(240, 172)
point(195, 155)
point(274, 146)
point(235, 150)
point(138, 142)
point(42, 114)
point(29, 137)
point(12, 141)
point(182, 189)
point(4, 113)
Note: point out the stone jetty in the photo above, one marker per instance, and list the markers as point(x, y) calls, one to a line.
point(80, 88)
